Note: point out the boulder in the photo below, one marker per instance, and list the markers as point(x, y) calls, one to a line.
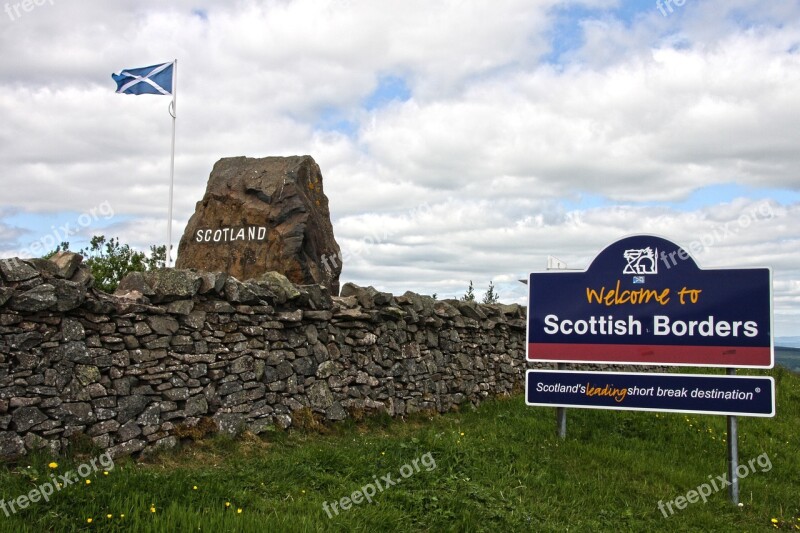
point(134, 282)
point(36, 299)
point(162, 285)
point(368, 297)
point(262, 215)
point(83, 276)
point(14, 269)
point(67, 263)
point(46, 268)
point(5, 294)
point(277, 283)
point(12, 447)
point(69, 295)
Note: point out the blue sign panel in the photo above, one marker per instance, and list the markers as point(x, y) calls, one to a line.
point(683, 393)
point(644, 300)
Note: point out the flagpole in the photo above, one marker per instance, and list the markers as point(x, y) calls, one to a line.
point(174, 113)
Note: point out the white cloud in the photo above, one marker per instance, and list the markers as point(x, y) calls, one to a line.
point(513, 158)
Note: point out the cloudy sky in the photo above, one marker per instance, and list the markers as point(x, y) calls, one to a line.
point(459, 139)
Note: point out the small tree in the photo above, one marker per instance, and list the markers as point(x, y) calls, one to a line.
point(469, 296)
point(491, 297)
point(63, 247)
point(111, 261)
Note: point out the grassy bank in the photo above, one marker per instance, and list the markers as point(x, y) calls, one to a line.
point(497, 468)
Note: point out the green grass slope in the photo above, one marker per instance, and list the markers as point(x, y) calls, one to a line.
point(497, 468)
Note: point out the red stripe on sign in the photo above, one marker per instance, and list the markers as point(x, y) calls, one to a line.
point(655, 355)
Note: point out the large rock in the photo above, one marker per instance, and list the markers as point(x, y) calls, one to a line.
point(37, 299)
point(67, 263)
point(12, 447)
point(13, 269)
point(262, 215)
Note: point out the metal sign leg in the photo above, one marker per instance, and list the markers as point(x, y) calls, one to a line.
point(561, 413)
point(733, 453)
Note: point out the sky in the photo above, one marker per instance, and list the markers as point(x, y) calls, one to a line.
point(458, 139)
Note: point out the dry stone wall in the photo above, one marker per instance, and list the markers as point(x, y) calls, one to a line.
point(175, 350)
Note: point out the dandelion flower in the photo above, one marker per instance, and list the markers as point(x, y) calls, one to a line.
point(227, 504)
point(152, 508)
point(88, 520)
point(109, 516)
point(53, 465)
point(88, 481)
point(239, 510)
point(462, 433)
point(105, 472)
point(194, 487)
point(122, 516)
point(774, 520)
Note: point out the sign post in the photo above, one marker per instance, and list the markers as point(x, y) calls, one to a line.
point(644, 301)
point(561, 413)
point(733, 451)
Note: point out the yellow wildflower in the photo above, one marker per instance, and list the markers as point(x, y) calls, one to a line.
point(53, 465)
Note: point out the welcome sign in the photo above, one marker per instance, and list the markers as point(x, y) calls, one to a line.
point(644, 300)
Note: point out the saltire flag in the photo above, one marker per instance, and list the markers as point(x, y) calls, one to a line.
point(155, 79)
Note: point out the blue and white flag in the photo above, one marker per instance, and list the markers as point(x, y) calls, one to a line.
point(155, 79)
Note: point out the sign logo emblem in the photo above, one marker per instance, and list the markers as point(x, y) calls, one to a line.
point(641, 261)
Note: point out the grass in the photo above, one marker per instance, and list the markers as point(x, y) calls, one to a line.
point(497, 468)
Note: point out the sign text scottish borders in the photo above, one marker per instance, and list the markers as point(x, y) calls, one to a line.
point(644, 300)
